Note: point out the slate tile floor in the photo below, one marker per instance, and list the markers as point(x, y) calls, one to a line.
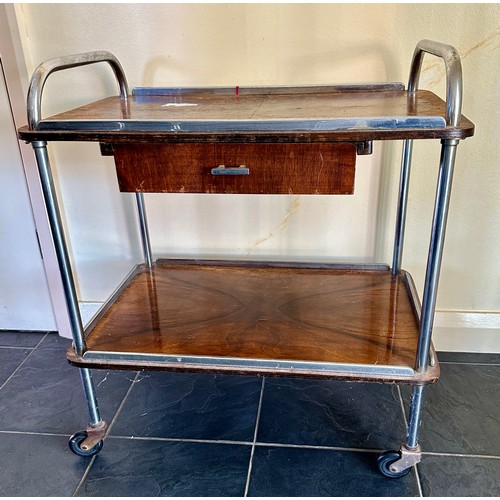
point(175, 434)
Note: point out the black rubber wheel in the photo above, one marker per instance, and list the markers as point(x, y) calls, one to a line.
point(386, 460)
point(77, 439)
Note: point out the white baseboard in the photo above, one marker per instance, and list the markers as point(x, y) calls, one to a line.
point(88, 310)
point(461, 331)
point(464, 319)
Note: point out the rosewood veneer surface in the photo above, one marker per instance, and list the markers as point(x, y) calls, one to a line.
point(273, 168)
point(283, 313)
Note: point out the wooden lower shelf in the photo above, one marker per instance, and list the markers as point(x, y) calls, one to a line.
point(270, 319)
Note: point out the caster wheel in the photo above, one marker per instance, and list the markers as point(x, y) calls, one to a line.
point(386, 460)
point(77, 439)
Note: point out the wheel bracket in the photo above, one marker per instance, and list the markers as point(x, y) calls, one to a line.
point(95, 433)
point(409, 458)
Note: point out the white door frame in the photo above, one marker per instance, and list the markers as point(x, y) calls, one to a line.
point(17, 81)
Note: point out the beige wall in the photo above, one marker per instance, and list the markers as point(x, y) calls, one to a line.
point(238, 44)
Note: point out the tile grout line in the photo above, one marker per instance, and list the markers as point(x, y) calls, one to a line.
point(22, 362)
point(17, 348)
point(419, 485)
point(41, 340)
point(84, 476)
point(257, 421)
point(260, 444)
point(31, 433)
point(318, 447)
point(91, 463)
point(183, 440)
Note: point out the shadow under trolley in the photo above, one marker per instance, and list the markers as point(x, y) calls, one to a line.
point(332, 321)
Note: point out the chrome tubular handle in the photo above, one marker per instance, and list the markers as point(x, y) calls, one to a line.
point(453, 67)
point(57, 64)
point(223, 170)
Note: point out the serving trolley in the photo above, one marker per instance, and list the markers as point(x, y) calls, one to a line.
point(329, 321)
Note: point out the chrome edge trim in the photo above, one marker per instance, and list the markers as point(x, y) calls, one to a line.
point(214, 126)
point(344, 368)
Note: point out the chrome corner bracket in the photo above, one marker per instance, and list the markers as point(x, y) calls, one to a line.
point(409, 458)
point(95, 433)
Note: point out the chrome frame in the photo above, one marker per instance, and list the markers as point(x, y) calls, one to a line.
point(425, 353)
point(57, 230)
point(34, 104)
point(45, 69)
point(453, 68)
point(447, 162)
point(143, 226)
point(404, 185)
point(415, 416)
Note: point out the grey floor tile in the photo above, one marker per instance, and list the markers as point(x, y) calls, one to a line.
point(444, 476)
point(54, 341)
point(34, 465)
point(190, 405)
point(46, 395)
point(10, 359)
point(331, 413)
point(311, 472)
point(461, 411)
point(469, 357)
point(129, 467)
point(20, 339)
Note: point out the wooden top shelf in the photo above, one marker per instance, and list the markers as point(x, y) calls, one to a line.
point(306, 115)
point(352, 323)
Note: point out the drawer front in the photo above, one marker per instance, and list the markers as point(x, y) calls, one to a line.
point(317, 168)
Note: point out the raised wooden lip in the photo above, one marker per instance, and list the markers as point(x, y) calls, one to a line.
point(261, 367)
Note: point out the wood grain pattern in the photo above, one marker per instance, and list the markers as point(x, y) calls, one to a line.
point(261, 107)
point(274, 168)
point(286, 313)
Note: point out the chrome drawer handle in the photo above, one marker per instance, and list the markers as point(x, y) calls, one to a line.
point(223, 170)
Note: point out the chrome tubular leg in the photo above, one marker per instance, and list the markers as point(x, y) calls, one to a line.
point(402, 205)
point(448, 152)
point(143, 225)
point(398, 464)
point(90, 441)
point(88, 387)
point(56, 226)
point(415, 414)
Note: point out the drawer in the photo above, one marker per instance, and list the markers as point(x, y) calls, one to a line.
point(312, 168)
